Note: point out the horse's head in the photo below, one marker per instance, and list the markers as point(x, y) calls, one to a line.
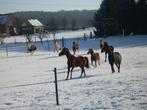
point(111, 50)
point(104, 47)
point(64, 51)
point(90, 51)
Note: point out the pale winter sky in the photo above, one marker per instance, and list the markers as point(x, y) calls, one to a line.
point(7, 6)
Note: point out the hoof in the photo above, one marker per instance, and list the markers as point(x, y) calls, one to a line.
point(113, 71)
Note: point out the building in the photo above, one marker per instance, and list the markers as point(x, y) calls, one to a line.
point(7, 24)
point(32, 26)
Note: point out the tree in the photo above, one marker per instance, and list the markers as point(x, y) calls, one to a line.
point(114, 16)
point(73, 24)
point(52, 26)
point(64, 23)
point(141, 17)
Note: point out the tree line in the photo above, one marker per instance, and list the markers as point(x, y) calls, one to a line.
point(117, 16)
point(64, 20)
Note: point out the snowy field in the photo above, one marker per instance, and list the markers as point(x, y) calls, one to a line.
point(27, 81)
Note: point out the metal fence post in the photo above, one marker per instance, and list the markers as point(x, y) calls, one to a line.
point(6, 50)
point(56, 86)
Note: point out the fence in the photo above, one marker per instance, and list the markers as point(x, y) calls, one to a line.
point(18, 47)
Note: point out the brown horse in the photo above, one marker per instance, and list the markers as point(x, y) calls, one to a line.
point(75, 47)
point(73, 61)
point(94, 57)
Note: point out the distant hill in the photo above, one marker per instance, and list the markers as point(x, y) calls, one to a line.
point(81, 18)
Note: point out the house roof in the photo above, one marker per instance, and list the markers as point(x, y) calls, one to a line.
point(35, 22)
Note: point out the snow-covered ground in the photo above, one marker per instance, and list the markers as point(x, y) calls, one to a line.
point(27, 81)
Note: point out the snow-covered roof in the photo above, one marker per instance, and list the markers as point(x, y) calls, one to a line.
point(35, 22)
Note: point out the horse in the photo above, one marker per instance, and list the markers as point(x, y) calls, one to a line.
point(57, 46)
point(73, 62)
point(75, 47)
point(94, 57)
point(31, 48)
point(103, 49)
point(113, 57)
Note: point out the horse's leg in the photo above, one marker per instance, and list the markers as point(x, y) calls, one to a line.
point(68, 72)
point(71, 72)
point(99, 62)
point(118, 67)
point(74, 52)
point(95, 63)
point(78, 50)
point(91, 62)
point(82, 71)
point(112, 68)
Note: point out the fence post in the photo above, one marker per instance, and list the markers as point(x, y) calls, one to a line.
point(6, 50)
point(56, 86)
point(63, 42)
point(48, 46)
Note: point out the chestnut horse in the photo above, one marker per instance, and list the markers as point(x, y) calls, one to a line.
point(75, 47)
point(95, 57)
point(73, 61)
point(113, 57)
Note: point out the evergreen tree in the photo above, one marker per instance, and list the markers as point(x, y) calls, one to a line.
point(141, 17)
point(116, 15)
point(64, 23)
point(73, 24)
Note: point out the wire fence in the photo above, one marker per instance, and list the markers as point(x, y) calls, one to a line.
point(18, 48)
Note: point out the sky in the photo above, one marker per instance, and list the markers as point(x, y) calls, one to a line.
point(8, 6)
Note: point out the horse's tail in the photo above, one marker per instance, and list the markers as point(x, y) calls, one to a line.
point(86, 62)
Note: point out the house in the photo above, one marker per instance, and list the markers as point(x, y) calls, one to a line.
point(32, 26)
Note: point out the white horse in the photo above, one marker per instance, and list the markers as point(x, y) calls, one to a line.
point(57, 46)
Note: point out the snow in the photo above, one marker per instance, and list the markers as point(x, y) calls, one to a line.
point(27, 81)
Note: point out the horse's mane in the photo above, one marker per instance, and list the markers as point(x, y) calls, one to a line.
point(106, 44)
